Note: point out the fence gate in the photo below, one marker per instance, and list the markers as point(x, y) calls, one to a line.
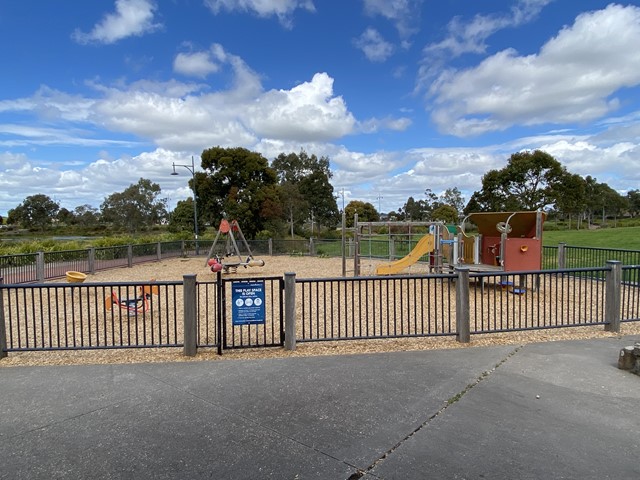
point(252, 312)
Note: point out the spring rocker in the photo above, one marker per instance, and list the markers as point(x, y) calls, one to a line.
point(139, 304)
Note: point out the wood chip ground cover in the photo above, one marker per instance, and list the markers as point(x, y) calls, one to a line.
point(312, 267)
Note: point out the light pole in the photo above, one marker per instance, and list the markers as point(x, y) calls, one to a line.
point(192, 169)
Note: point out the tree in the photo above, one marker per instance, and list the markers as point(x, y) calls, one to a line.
point(366, 212)
point(571, 197)
point(86, 216)
point(318, 194)
point(36, 211)
point(309, 194)
point(182, 218)
point(530, 181)
point(64, 216)
point(414, 210)
point(453, 198)
point(138, 206)
point(238, 184)
point(633, 198)
point(445, 213)
point(602, 200)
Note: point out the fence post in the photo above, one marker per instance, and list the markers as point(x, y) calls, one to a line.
point(130, 256)
point(182, 253)
point(562, 259)
point(270, 247)
point(289, 311)
point(463, 329)
point(613, 290)
point(40, 267)
point(159, 251)
point(3, 331)
point(220, 309)
point(92, 260)
point(190, 324)
point(312, 247)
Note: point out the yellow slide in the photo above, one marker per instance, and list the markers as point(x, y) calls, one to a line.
point(424, 246)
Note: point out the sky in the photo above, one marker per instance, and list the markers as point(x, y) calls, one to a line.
point(400, 95)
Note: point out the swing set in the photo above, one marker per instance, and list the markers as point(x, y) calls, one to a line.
point(231, 258)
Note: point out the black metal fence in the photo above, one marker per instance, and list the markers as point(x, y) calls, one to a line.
point(57, 316)
point(536, 300)
point(63, 316)
point(375, 307)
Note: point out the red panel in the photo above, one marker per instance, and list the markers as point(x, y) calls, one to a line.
point(523, 254)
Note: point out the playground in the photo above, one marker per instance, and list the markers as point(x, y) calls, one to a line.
point(319, 268)
point(389, 305)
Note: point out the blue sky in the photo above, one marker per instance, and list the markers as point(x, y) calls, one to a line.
point(400, 95)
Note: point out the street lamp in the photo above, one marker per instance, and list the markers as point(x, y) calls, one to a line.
point(192, 169)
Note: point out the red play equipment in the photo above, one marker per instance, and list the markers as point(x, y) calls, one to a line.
point(139, 304)
point(506, 241)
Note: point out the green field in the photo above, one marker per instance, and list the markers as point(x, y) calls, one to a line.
point(627, 238)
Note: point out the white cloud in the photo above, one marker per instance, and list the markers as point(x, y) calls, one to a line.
point(188, 116)
point(471, 36)
point(405, 14)
point(307, 112)
point(374, 47)
point(197, 64)
point(570, 80)
point(374, 125)
point(282, 9)
point(132, 18)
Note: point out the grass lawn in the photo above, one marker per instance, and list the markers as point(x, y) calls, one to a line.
point(627, 238)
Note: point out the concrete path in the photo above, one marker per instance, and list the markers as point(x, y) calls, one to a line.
point(553, 410)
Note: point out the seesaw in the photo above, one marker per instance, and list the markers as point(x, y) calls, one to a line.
point(139, 304)
point(227, 266)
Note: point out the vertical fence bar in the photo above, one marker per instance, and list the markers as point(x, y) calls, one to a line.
point(462, 306)
point(612, 296)
point(190, 322)
point(289, 311)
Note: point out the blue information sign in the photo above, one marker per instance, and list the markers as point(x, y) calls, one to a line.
point(247, 302)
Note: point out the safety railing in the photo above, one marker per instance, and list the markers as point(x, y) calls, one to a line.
point(501, 302)
point(60, 316)
point(374, 307)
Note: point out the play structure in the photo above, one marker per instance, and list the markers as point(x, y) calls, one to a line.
point(424, 247)
point(506, 241)
point(229, 258)
point(133, 306)
point(435, 248)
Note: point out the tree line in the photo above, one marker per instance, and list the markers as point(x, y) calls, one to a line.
point(292, 195)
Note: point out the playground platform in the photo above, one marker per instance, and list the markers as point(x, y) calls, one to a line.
point(549, 410)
